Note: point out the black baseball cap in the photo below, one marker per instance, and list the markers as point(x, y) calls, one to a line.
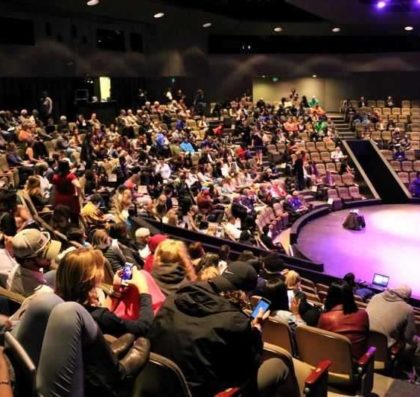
point(237, 276)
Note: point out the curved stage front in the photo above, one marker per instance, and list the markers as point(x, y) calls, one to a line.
point(390, 244)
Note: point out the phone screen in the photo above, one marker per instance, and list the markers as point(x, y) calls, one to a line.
point(263, 304)
point(127, 272)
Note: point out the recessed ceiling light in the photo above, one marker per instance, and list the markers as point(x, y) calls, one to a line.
point(314, 76)
point(207, 25)
point(159, 15)
point(92, 2)
point(278, 29)
point(263, 76)
point(336, 30)
point(408, 28)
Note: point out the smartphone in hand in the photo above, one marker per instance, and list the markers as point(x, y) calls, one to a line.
point(263, 304)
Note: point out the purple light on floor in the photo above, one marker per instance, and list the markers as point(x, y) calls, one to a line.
point(381, 4)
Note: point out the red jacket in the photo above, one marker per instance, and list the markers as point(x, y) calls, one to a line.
point(354, 326)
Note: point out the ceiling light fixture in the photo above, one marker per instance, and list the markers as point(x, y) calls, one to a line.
point(408, 28)
point(91, 3)
point(381, 4)
point(159, 15)
point(278, 29)
point(336, 30)
point(207, 25)
point(314, 76)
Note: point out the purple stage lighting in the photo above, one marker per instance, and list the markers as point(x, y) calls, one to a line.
point(381, 4)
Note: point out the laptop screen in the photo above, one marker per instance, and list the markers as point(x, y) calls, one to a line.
point(380, 280)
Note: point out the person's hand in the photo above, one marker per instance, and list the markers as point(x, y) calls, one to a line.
point(294, 306)
point(5, 322)
point(139, 281)
point(258, 321)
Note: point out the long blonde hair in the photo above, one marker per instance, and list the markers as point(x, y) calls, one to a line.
point(174, 251)
point(80, 271)
point(292, 280)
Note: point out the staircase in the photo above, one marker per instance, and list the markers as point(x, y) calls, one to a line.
point(342, 128)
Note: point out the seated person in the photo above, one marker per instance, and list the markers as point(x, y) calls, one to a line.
point(91, 212)
point(230, 345)
point(415, 186)
point(343, 317)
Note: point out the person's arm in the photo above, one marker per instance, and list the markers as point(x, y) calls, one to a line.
point(5, 384)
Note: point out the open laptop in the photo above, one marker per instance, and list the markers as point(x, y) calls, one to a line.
point(380, 281)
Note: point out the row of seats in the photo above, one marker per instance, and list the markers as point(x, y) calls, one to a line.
point(405, 165)
point(380, 103)
point(275, 217)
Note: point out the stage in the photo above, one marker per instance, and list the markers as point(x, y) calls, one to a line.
point(390, 244)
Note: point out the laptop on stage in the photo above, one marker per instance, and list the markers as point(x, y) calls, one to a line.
point(380, 281)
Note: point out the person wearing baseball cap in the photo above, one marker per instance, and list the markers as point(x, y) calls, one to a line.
point(203, 329)
point(34, 250)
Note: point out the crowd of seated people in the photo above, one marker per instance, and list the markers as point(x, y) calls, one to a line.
point(107, 178)
point(175, 166)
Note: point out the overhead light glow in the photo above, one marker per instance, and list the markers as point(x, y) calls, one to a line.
point(92, 3)
point(314, 76)
point(278, 29)
point(408, 28)
point(207, 25)
point(159, 15)
point(336, 30)
point(381, 4)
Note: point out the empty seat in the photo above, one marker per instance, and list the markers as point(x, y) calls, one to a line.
point(278, 333)
point(387, 154)
point(413, 175)
point(314, 344)
point(333, 198)
point(337, 180)
point(371, 103)
point(330, 146)
point(380, 103)
point(396, 165)
point(405, 103)
point(354, 193)
point(325, 157)
point(376, 135)
point(407, 166)
point(410, 155)
point(404, 177)
point(377, 110)
point(348, 179)
point(321, 169)
point(396, 110)
point(415, 136)
point(386, 111)
point(310, 147)
point(386, 135)
point(344, 194)
point(416, 165)
point(415, 145)
point(320, 146)
point(384, 357)
point(330, 167)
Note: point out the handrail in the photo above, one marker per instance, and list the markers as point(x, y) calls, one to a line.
point(361, 170)
point(388, 165)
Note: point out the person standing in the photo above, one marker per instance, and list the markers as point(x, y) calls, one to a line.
point(46, 107)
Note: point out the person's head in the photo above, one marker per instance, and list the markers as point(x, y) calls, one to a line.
point(61, 217)
point(340, 293)
point(124, 197)
point(275, 290)
point(96, 199)
point(118, 231)
point(101, 239)
point(292, 280)
point(35, 249)
point(208, 273)
point(33, 185)
point(350, 279)
point(79, 273)
point(237, 276)
point(63, 167)
point(196, 250)
point(403, 291)
point(142, 235)
point(8, 200)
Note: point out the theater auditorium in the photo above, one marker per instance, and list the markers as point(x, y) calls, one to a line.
point(213, 198)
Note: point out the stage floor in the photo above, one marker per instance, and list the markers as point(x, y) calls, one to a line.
point(390, 244)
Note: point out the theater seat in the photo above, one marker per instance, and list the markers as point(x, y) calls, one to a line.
point(314, 345)
point(385, 357)
point(278, 333)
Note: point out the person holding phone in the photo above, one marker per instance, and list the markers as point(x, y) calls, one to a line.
point(78, 276)
point(203, 329)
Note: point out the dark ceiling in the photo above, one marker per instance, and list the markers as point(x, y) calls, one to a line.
point(251, 10)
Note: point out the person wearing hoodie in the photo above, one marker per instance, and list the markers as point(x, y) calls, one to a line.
point(390, 313)
point(203, 329)
point(415, 186)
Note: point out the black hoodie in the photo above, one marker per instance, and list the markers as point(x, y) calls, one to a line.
point(209, 338)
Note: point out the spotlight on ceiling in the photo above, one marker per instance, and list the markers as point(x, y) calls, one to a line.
point(336, 30)
point(408, 28)
point(278, 29)
point(314, 76)
point(381, 4)
point(92, 3)
point(207, 25)
point(159, 15)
